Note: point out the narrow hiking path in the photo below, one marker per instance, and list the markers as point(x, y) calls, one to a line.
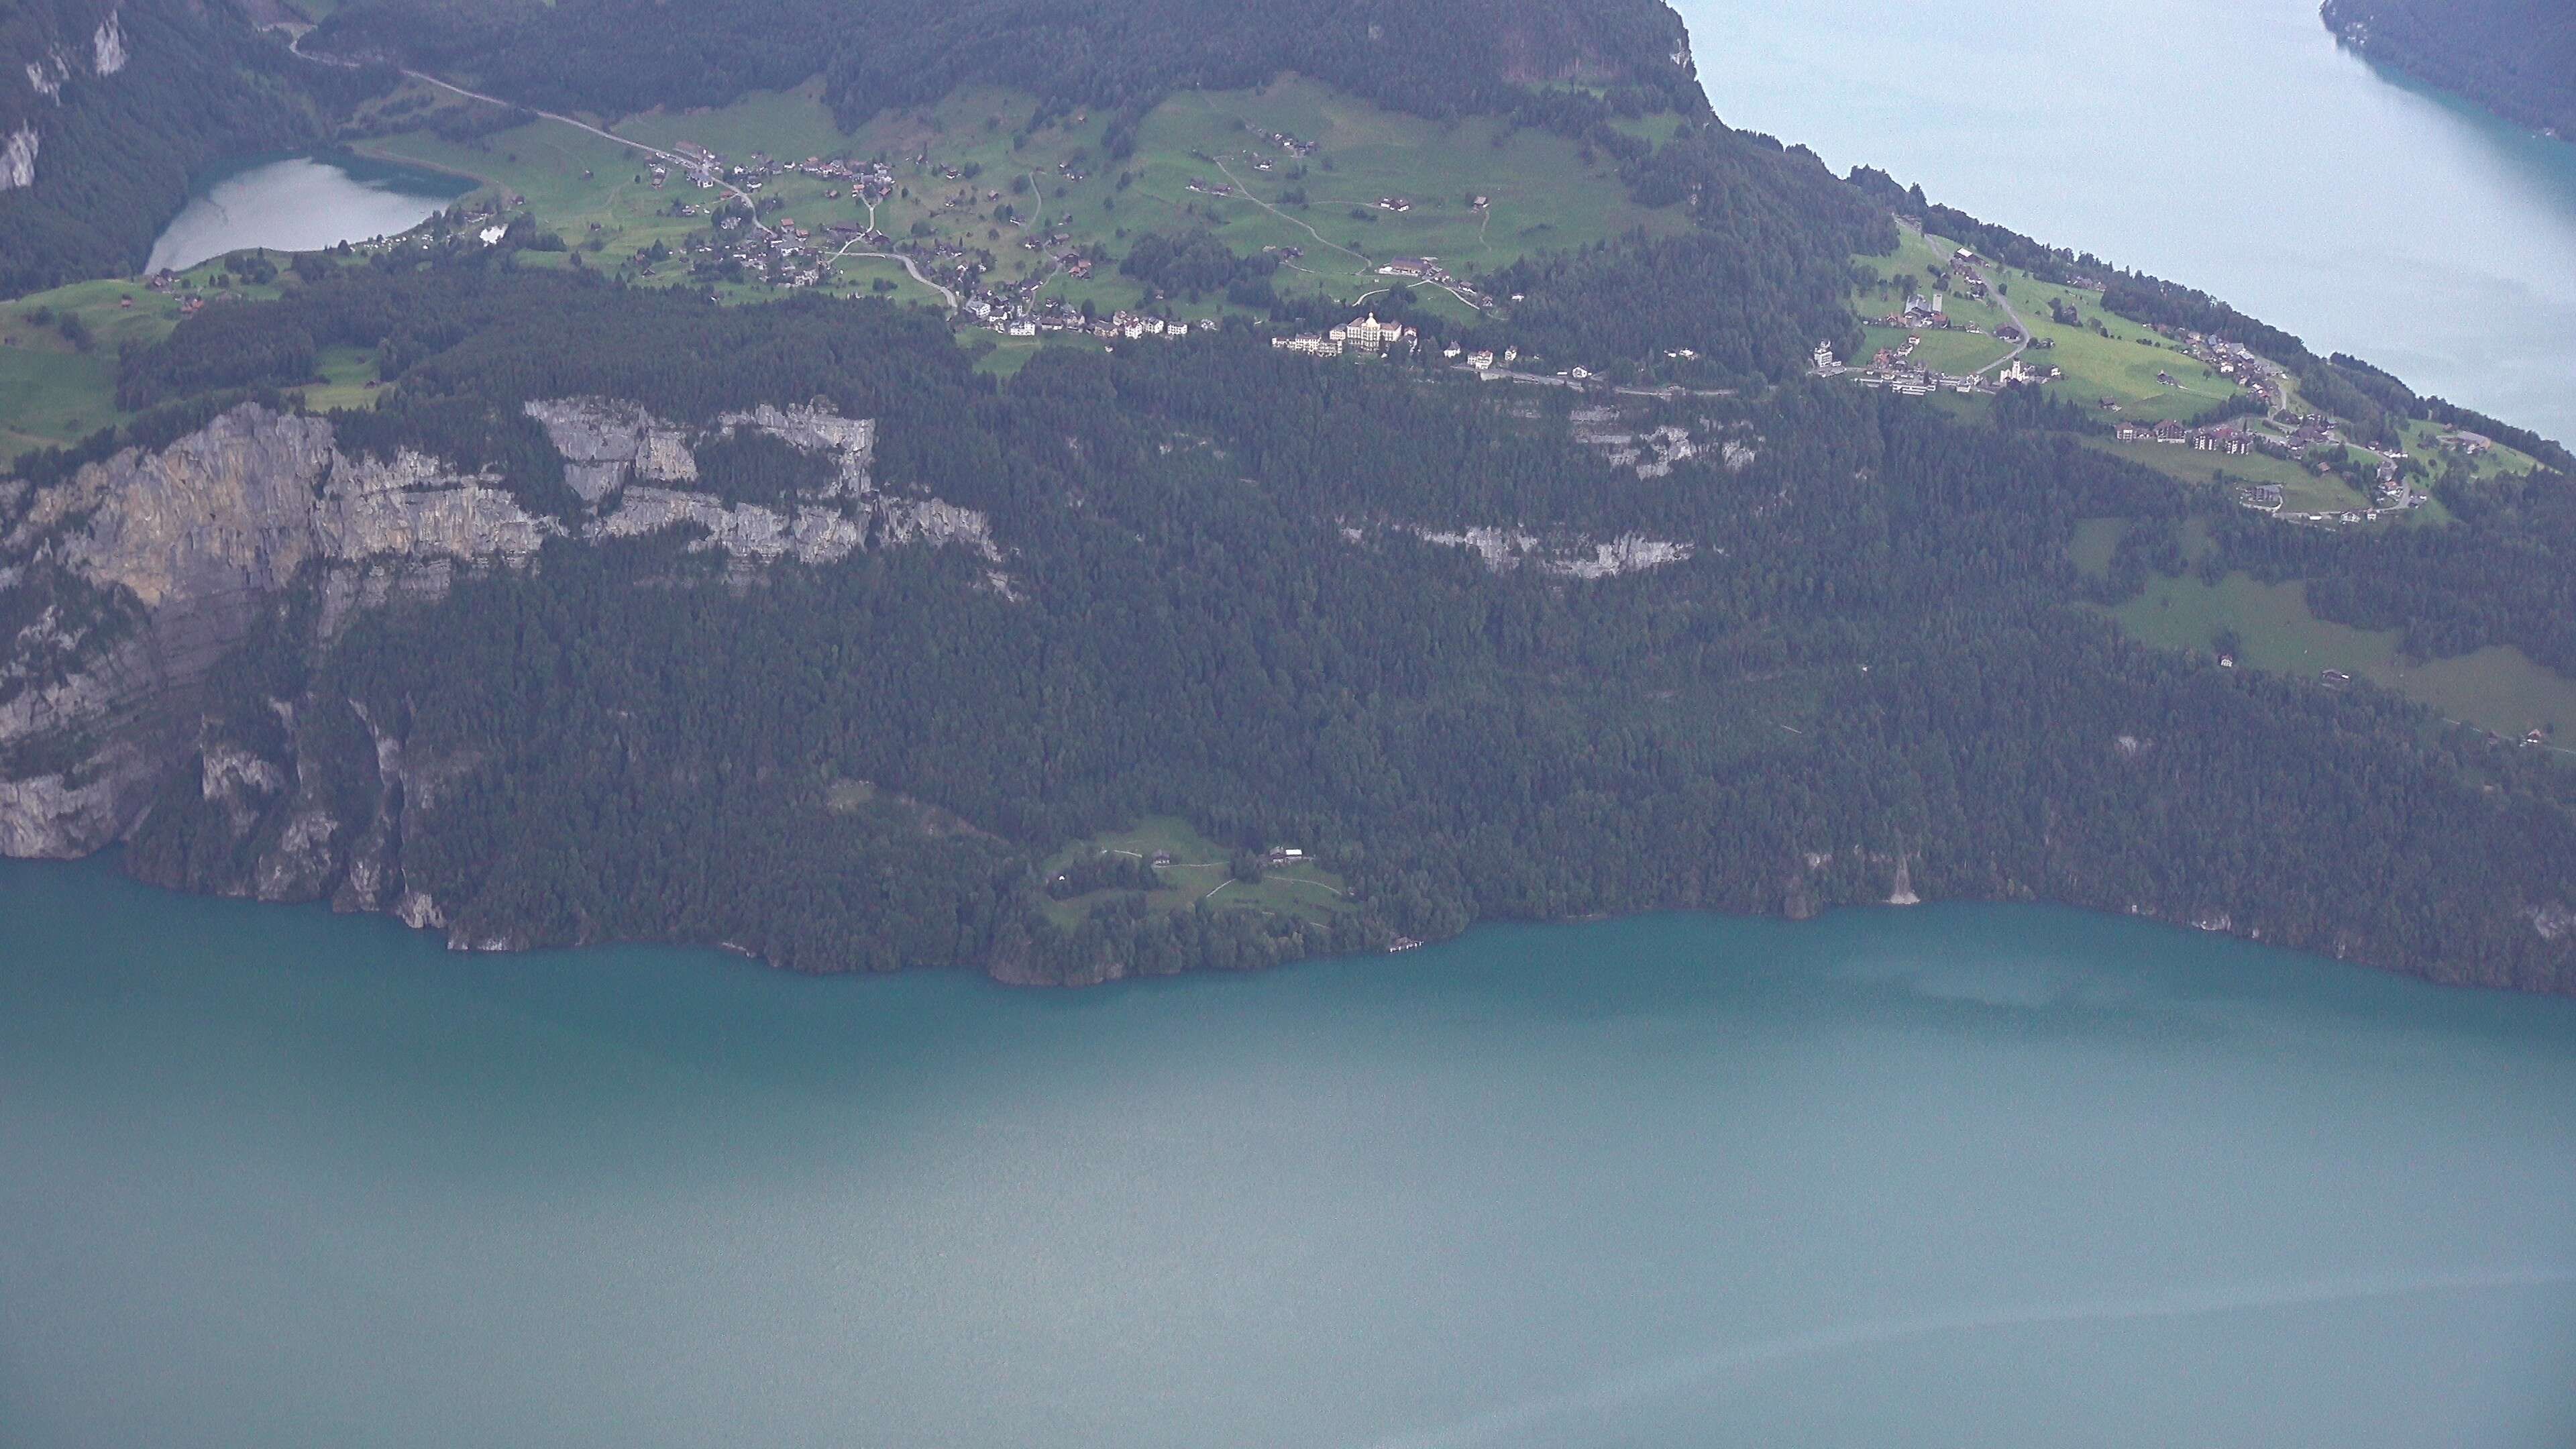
point(1246, 193)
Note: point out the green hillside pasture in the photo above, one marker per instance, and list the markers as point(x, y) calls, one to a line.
point(2497, 688)
point(788, 125)
point(2095, 543)
point(1199, 872)
point(346, 375)
point(861, 274)
point(1940, 350)
point(2302, 489)
point(1542, 195)
point(543, 163)
point(2121, 367)
point(53, 394)
point(2422, 439)
point(1010, 354)
point(1914, 254)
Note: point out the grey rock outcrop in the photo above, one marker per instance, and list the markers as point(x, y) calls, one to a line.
point(18, 158)
point(607, 444)
point(167, 558)
point(125, 585)
point(852, 441)
point(107, 50)
point(628, 465)
point(1575, 557)
point(241, 505)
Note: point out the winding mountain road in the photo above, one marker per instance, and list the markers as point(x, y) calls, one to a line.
point(295, 44)
point(945, 295)
point(1995, 294)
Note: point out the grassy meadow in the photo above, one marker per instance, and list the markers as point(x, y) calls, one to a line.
point(1199, 872)
point(54, 391)
point(1058, 179)
point(2121, 367)
point(2498, 688)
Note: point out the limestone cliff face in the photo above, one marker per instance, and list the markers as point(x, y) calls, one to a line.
point(607, 444)
point(55, 44)
point(125, 586)
point(142, 571)
point(1573, 557)
point(631, 468)
point(242, 505)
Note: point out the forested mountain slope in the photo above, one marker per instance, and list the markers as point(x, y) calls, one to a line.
point(574, 641)
point(2515, 57)
point(110, 108)
point(618, 56)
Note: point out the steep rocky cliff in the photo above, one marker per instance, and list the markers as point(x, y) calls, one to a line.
point(125, 586)
point(128, 581)
point(55, 43)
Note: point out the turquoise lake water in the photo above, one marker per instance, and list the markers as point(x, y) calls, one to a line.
point(1952, 1176)
point(2227, 144)
point(301, 204)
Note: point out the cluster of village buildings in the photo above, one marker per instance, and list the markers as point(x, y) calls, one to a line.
point(1286, 142)
point(2391, 491)
point(1428, 269)
point(1894, 370)
point(1365, 337)
point(167, 283)
point(783, 255)
point(1012, 313)
point(2224, 438)
point(707, 169)
point(2231, 360)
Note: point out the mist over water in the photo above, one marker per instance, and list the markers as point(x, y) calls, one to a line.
point(1950, 1176)
point(2231, 145)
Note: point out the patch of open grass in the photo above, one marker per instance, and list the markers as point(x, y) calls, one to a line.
point(2096, 541)
point(1199, 870)
point(346, 375)
point(2121, 366)
point(2303, 490)
point(1941, 351)
point(2498, 688)
point(53, 391)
